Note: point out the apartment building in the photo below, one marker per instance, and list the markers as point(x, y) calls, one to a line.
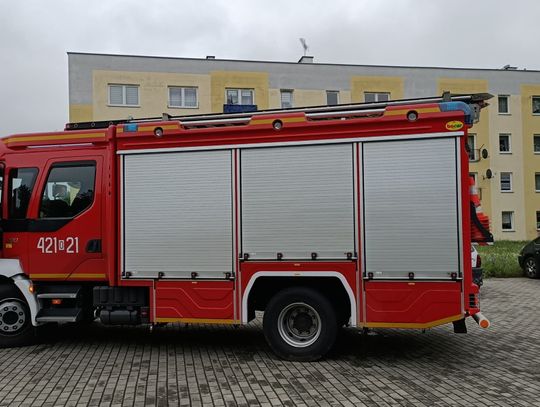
point(505, 145)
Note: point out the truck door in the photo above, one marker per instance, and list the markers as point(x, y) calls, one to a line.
point(65, 234)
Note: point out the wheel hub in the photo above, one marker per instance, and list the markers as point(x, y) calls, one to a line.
point(12, 317)
point(531, 267)
point(299, 325)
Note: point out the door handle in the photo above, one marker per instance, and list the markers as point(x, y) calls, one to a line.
point(93, 246)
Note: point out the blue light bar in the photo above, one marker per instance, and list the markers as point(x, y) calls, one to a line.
point(453, 106)
point(130, 127)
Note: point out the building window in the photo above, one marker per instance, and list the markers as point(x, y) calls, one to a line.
point(124, 95)
point(370, 97)
point(240, 96)
point(504, 106)
point(69, 190)
point(471, 144)
point(537, 182)
point(185, 97)
point(536, 104)
point(507, 220)
point(537, 220)
point(21, 185)
point(286, 98)
point(504, 143)
point(536, 143)
point(332, 97)
point(506, 182)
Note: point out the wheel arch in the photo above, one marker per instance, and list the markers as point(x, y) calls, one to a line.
point(11, 272)
point(264, 284)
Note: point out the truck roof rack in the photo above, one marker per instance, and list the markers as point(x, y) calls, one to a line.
point(351, 109)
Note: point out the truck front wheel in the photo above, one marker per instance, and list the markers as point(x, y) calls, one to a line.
point(300, 324)
point(15, 320)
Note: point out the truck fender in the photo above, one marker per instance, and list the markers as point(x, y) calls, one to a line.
point(11, 268)
point(299, 274)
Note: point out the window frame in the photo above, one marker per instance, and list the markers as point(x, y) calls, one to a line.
point(507, 97)
point(10, 209)
point(510, 181)
point(239, 90)
point(182, 97)
point(536, 174)
point(533, 104)
point(332, 92)
point(537, 222)
point(377, 95)
point(472, 153)
point(509, 135)
point(512, 226)
point(286, 91)
point(61, 164)
point(124, 95)
point(535, 151)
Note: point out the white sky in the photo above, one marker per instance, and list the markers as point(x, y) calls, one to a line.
point(36, 34)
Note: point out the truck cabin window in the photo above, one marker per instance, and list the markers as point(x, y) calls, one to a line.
point(21, 184)
point(69, 190)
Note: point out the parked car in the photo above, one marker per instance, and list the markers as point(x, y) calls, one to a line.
point(529, 257)
point(477, 271)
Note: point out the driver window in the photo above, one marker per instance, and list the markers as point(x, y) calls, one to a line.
point(21, 184)
point(69, 190)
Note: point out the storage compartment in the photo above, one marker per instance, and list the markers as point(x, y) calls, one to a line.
point(178, 215)
point(298, 201)
point(411, 209)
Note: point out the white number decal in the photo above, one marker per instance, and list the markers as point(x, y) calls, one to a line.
point(51, 245)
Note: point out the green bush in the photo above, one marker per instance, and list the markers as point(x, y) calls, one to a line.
point(501, 259)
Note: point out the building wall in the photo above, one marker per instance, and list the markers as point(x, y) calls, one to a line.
point(90, 75)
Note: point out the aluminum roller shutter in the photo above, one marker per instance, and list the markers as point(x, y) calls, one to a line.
point(410, 208)
point(296, 201)
point(178, 214)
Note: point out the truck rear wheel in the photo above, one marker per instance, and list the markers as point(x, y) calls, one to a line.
point(300, 324)
point(15, 321)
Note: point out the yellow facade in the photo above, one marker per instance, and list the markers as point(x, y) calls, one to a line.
point(531, 160)
point(222, 80)
point(387, 84)
point(153, 93)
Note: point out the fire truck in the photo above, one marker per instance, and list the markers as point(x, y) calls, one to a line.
point(351, 215)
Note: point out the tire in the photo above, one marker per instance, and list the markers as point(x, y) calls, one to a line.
point(530, 267)
point(300, 324)
point(15, 320)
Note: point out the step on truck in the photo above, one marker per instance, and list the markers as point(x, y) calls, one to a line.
point(357, 214)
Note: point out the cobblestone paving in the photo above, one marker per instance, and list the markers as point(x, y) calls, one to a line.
point(224, 366)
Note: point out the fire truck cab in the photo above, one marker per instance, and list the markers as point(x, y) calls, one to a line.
point(356, 214)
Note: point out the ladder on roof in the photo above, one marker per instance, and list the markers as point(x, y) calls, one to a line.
point(315, 112)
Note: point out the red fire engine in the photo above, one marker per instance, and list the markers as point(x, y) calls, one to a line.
point(355, 214)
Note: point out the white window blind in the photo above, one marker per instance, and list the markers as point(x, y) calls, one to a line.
point(124, 95)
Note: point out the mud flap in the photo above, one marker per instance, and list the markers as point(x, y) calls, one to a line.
point(460, 327)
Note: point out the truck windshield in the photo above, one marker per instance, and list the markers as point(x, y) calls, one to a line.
point(21, 184)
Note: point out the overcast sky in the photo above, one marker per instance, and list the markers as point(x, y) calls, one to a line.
point(36, 34)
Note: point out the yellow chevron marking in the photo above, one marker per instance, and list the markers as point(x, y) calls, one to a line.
point(52, 137)
point(284, 120)
point(405, 111)
point(199, 320)
point(412, 325)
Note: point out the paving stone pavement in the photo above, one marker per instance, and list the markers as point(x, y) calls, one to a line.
point(226, 366)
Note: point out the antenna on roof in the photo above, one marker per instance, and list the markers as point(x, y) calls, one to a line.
point(304, 45)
